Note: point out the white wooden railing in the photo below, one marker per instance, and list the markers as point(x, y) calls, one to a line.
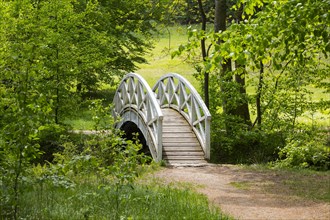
point(135, 100)
point(174, 91)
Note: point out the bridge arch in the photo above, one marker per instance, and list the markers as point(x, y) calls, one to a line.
point(135, 102)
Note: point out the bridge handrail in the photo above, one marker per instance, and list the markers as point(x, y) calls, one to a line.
point(135, 93)
point(174, 91)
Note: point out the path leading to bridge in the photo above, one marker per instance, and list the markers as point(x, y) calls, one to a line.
point(249, 199)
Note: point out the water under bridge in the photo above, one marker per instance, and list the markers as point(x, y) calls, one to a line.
point(171, 117)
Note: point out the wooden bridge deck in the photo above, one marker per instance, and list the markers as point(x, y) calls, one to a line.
point(180, 144)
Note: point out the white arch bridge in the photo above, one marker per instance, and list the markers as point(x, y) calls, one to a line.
point(172, 117)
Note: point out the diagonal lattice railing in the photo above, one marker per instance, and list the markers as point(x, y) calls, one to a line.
point(174, 91)
point(135, 100)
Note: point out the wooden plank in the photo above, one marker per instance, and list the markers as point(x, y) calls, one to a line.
point(180, 140)
point(174, 116)
point(183, 157)
point(169, 111)
point(187, 162)
point(171, 144)
point(176, 124)
point(178, 135)
point(176, 129)
point(167, 149)
point(187, 153)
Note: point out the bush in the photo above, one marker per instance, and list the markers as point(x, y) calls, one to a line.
point(243, 144)
point(306, 150)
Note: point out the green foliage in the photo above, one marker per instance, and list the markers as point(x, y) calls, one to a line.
point(64, 47)
point(115, 161)
point(281, 50)
point(160, 61)
point(88, 201)
point(50, 52)
point(244, 145)
point(185, 11)
point(94, 176)
point(306, 150)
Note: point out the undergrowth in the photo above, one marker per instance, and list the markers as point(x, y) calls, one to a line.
point(94, 198)
point(95, 177)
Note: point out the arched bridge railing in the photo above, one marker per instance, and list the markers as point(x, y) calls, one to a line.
point(174, 91)
point(134, 101)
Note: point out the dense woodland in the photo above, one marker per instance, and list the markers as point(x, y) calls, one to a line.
point(263, 67)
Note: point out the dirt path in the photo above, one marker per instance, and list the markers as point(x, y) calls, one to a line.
point(242, 202)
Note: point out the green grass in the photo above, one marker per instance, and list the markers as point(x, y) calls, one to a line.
point(83, 121)
point(160, 61)
point(91, 198)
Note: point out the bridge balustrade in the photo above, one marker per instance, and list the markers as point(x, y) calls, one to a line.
point(174, 91)
point(134, 101)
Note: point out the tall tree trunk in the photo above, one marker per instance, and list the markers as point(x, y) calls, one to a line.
point(204, 54)
point(188, 11)
point(220, 25)
point(220, 15)
point(242, 108)
point(258, 98)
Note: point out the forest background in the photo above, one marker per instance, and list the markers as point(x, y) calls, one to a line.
point(262, 65)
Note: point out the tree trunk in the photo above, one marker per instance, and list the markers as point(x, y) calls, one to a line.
point(220, 15)
point(258, 98)
point(220, 25)
point(242, 108)
point(204, 54)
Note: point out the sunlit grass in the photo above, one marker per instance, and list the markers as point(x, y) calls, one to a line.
point(317, 119)
point(82, 119)
point(160, 61)
point(85, 123)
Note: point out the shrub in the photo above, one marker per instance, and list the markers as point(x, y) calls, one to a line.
point(245, 145)
point(306, 150)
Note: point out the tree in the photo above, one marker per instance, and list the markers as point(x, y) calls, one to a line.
point(47, 49)
point(204, 53)
point(281, 49)
point(117, 35)
point(284, 45)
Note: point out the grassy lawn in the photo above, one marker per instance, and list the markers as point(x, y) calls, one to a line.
point(160, 61)
point(83, 121)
